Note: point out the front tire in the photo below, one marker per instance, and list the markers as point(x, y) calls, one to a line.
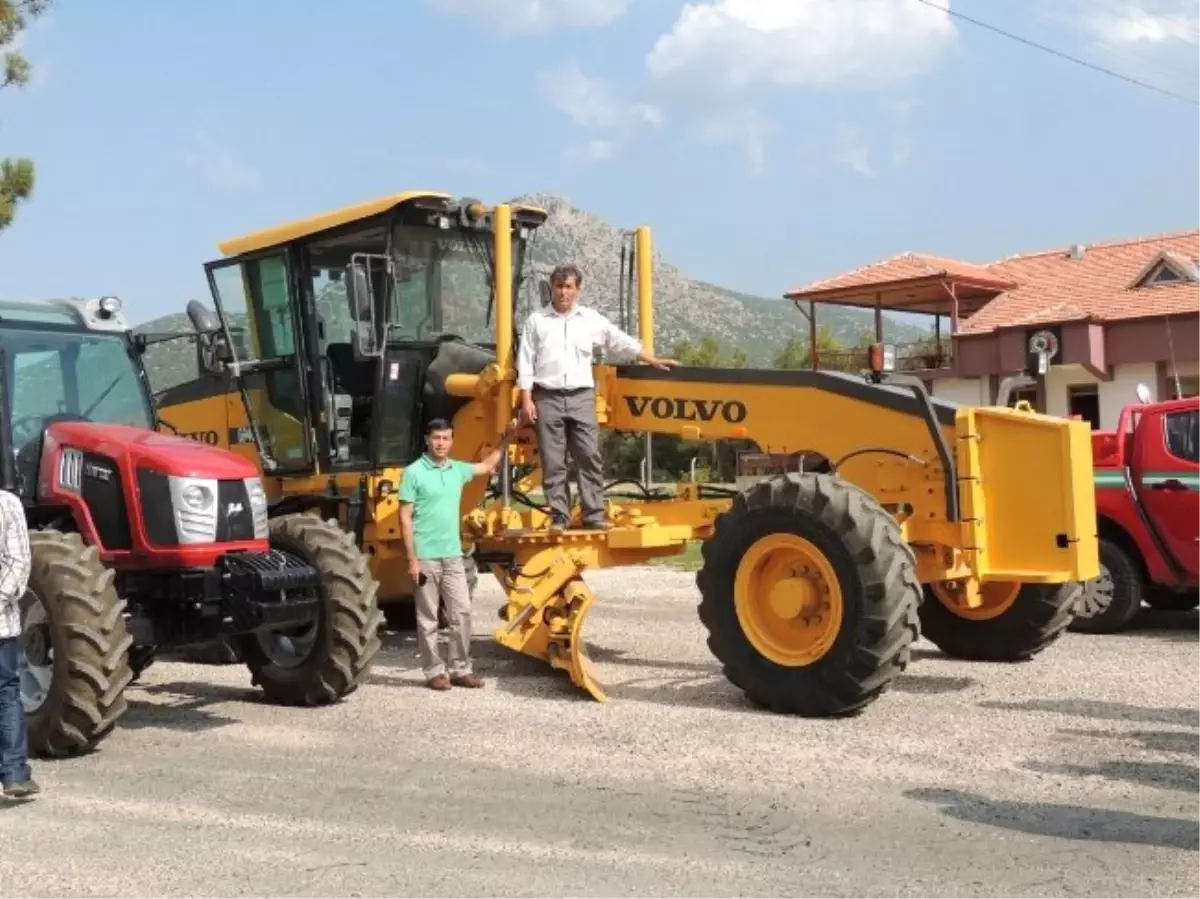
point(320, 663)
point(76, 647)
point(810, 595)
point(1109, 602)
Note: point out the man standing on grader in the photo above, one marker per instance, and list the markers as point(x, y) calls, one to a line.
point(557, 393)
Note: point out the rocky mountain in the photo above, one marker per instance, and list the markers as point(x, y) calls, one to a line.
point(685, 308)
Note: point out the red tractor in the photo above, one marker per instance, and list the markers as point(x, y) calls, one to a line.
point(1147, 509)
point(145, 542)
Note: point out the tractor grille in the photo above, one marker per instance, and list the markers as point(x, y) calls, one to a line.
point(170, 521)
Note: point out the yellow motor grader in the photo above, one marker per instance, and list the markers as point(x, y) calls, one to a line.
point(337, 337)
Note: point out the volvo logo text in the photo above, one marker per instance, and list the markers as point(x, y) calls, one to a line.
point(682, 409)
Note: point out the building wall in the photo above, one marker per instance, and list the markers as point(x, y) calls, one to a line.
point(1114, 394)
point(966, 391)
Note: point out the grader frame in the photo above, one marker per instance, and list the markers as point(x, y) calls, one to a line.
point(813, 588)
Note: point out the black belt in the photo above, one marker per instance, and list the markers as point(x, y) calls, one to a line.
point(562, 391)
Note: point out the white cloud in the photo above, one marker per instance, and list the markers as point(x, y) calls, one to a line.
point(1147, 22)
point(745, 128)
point(220, 166)
point(512, 17)
point(734, 44)
point(594, 105)
point(850, 149)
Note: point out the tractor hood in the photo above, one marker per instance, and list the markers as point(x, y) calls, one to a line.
point(165, 453)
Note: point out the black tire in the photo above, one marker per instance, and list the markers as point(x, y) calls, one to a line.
point(86, 626)
point(1037, 618)
point(346, 639)
point(876, 571)
point(1108, 603)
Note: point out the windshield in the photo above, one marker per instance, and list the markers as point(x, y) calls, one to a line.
point(444, 284)
point(74, 375)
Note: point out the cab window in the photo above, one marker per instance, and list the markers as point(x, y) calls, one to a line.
point(1183, 431)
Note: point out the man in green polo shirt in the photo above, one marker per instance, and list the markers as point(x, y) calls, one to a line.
point(430, 498)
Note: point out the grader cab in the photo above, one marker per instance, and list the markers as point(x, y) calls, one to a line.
point(361, 325)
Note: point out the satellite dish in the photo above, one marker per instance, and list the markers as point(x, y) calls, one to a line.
point(1143, 394)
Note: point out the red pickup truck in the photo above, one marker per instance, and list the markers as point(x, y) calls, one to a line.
point(1147, 508)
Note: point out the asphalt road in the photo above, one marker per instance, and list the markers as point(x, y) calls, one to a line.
point(1076, 774)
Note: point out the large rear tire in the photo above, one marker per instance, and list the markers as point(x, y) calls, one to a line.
point(1015, 623)
point(810, 596)
point(76, 647)
point(1108, 603)
point(320, 663)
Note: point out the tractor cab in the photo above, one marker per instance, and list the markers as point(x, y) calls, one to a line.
point(65, 361)
point(341, 329)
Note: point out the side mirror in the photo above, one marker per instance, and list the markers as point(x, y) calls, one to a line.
point(544, 290)
point(358, 291)
point(202, 318)
point(369, 332)
point(1144, 395)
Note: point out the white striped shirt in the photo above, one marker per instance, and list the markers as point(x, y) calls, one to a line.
point(556, 349)
point(15, 563)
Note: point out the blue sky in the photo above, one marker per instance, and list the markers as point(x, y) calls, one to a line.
point(767, 142)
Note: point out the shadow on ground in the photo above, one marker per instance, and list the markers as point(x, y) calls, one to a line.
point(676, 683)
point(1068, 822)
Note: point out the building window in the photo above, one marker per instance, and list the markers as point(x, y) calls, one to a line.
point(1189, 386)
point(1084, 400)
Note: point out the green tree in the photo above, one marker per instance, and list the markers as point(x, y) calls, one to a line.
point(16, 175)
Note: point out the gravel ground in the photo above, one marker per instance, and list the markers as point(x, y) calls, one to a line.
point(1072, 775)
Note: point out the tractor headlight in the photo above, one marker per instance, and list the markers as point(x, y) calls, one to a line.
point(258, 507)
point(197, 497)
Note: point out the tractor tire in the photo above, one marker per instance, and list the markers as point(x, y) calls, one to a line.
point(863, 594)
point(344, 639)
point(1023, 628)
point(1109, 602)
point(84, 629)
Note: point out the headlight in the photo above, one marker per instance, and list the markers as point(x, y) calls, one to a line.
point(258, 508)
point(197, 497)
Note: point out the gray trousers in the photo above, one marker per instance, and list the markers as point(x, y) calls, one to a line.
point(446, 578)
point(567, 420)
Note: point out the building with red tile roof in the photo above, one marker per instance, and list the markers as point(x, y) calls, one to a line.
point(1114, 315)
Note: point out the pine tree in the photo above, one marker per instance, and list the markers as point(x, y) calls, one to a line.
point(16, 175)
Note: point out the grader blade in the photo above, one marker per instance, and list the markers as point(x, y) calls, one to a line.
point(545, 620)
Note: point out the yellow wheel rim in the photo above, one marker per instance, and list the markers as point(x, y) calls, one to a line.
point(788, 600)
point(997, 596)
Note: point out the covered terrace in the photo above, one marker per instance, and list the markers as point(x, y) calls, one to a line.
point(910, 283)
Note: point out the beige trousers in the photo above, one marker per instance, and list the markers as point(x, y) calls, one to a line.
point(446, 578)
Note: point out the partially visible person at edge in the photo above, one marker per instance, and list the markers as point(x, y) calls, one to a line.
point(557, 393)
point(15, 563)
point(430, 497)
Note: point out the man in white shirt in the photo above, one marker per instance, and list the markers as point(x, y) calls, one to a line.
point(557, 393)
point(15, 562)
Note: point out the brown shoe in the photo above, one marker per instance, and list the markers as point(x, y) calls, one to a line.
point(467, 680)
point(441, 682)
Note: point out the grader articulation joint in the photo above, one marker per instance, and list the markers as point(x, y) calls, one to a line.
point(350, 330)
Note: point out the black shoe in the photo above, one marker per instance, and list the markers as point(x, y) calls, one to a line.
point(22, 789)
point(558, 525)
point(598, 525)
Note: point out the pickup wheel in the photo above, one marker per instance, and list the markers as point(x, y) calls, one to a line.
point(1110, 601)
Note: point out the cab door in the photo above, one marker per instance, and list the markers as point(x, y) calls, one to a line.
point(1167, 471)
point(255, 296)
